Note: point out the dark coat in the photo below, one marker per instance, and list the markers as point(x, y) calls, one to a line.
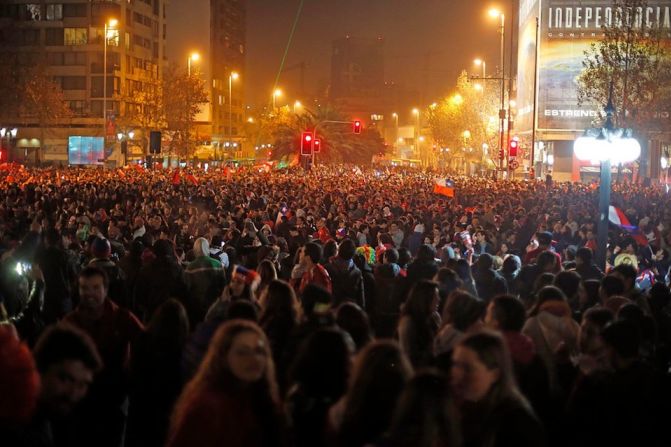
point(347, 281)
point(489, 283)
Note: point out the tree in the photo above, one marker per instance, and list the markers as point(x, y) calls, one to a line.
point(339, 142)
point(466, 120)
point(41, 101)
point(144, 111)
point(183, 96)
point(632, 62)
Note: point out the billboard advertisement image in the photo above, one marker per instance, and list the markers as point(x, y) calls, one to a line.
point(86, 150)
point(567, 29)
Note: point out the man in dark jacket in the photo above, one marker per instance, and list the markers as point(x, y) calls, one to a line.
point(346, 278)
point(384, 315)
point(585, 266)
point(59, 267)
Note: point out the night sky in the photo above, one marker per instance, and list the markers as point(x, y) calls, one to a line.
point(427, 42)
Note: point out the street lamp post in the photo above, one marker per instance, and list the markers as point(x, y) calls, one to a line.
point(9, 133)
point(415, 112)
point(109, 26)
point(502, 112)
point(277, 93)
point(608, 145)
point(395, 116)
point(193, 57)
point(233, 76)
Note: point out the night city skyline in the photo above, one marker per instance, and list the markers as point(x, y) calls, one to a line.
point(416, 58)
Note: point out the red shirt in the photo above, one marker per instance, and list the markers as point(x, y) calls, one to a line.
point(318, 276)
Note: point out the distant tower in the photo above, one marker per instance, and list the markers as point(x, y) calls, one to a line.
point(228, 52)
point(357, 68)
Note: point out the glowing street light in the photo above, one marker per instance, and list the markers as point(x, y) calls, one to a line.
point(193, 57)
point(608, 145)
point(110, 25)
point(277, 93)
point(232, 77)
point(297, 105)
point(483, 64)
point(495, 13)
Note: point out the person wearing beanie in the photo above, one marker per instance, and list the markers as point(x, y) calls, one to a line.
point(242, 286)
point(205, 280)
point(101, 250)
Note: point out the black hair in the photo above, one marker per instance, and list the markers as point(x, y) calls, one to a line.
point(93, 271)
point(313, 251)
point(509, 313)
point(612, 285)
point(346, 249)
point(62, 342)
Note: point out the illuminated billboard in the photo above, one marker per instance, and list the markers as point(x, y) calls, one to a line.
point(567, 29)
point(86, 150)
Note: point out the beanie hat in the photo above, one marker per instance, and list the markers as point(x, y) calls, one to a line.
point(248, 276)
point(101, 248)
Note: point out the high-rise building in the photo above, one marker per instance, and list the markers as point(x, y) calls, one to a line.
point(68, 40)
point(227, 53)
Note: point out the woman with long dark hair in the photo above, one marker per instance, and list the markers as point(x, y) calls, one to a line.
point(279, 318)
point(419, 323)
point(156, 375)
point(233, 398)
point(364, 413)
point(494, 412)
point(425, 415)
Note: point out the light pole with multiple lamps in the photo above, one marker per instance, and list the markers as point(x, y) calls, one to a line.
point(9, 134)
point(608, 145)
point(124, 138)
point(110, 25)
point(495, 13)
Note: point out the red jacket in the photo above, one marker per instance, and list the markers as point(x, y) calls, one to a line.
point(215, 418)
point(317, 276)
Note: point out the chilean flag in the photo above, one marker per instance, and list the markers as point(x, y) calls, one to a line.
point(616, 216)
point(444, 187)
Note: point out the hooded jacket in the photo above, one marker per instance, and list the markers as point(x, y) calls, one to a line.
point(552, 326)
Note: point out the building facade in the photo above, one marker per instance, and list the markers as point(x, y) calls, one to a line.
point(227, 62)
point(553, 36)
point(68, 39)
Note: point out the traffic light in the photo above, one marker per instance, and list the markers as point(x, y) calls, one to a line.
point(357, 127)
point(512, 147)
point(502, 154)
point(307, 141)
point(318, 145)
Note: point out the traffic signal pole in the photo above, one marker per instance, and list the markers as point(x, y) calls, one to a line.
point(315, 133)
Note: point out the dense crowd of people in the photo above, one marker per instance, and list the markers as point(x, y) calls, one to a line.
point(337, 307)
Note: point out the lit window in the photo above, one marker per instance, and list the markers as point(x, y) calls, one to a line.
point(75, 36)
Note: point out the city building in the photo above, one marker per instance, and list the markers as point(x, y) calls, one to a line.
point(227, 50)
point(357, 78)
point(553, 55)
point(77, 42)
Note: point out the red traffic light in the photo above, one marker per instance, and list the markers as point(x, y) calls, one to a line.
point(512, 147)
point(357, 127)
point(307, 140)
point(317, 145)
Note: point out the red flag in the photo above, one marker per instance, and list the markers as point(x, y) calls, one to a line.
point(175, 178)
point(192, 179)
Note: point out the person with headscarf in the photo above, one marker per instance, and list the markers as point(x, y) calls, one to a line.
point(205, 280)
